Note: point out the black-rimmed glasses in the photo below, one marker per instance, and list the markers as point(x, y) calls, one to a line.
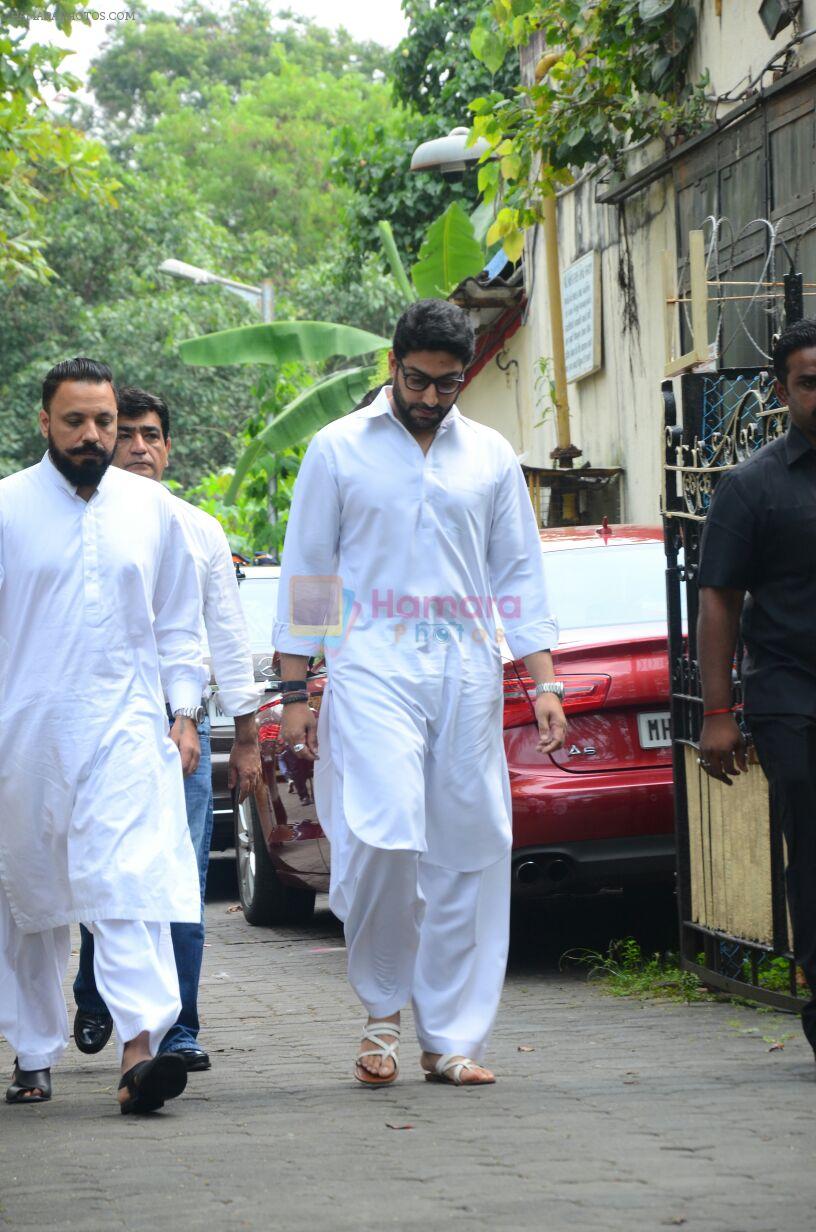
point(418, 381)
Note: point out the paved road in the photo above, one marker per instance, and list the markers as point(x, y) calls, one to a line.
point(623, 1116)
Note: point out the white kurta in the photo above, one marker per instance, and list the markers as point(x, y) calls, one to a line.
point(431, 553)
point(223, 629)
point(99, 619)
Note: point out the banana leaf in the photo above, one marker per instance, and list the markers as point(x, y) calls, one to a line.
point(318, 405)
point(280, 342)
point(450, 253)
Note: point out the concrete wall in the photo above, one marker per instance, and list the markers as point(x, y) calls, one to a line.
point(617, 413)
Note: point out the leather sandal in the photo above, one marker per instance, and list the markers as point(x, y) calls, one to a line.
point(386, 1050)
point(449, 1069)
point(150, 1083)
point(26, 1081)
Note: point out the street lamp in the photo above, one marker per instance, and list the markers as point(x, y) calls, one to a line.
point(449, 155)
point(262, 297)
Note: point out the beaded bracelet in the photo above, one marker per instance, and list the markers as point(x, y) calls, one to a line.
point(288, 698)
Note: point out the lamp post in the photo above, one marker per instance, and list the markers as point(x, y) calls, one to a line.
point(262, 298)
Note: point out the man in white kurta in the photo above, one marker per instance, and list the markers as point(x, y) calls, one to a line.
point(410, 539)
point(99, 610)
point(143, 446)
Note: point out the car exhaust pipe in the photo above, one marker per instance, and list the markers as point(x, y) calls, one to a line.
point(554, 869)
point(527, 872)
point(559, 869)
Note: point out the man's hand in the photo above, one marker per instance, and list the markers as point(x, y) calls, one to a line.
point(244, 770)
point(552, 723)
point(722, 748)
point(299, 726)
point(184, 735)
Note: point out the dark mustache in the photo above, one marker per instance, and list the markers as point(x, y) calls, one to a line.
point(95, 450)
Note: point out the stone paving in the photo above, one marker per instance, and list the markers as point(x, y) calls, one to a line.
point(609, 1114)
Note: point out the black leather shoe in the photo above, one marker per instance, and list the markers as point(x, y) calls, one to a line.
point(194, 1058)
point(92, 1031)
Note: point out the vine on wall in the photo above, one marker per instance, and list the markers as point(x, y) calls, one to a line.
point(614, 74)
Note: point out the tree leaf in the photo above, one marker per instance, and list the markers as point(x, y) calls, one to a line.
point(395, 261)
point(450, 253)
point(280, 342)
point(317, 406)
point(650, 10)
point(513, 245)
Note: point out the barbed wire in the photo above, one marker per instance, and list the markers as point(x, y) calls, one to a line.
point(720, 260)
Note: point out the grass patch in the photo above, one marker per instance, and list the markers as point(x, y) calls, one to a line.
point(625, 971)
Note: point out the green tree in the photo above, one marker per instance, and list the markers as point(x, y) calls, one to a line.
point(434, 76)
point(434, 70)
point(40, 154)
point(202, 48)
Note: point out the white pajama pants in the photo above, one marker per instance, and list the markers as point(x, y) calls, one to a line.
point(429, 935)
point(135, 974)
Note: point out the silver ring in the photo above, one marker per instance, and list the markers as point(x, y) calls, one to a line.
point(700, 762)
point(298, 748)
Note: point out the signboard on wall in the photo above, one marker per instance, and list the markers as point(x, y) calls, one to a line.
point(581, 305)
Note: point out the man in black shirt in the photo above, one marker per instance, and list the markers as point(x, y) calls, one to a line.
point(758, 562)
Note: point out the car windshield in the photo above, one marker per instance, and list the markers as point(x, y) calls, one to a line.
point(259, 599)
point(591, 587)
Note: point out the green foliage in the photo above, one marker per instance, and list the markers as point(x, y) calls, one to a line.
point(245, 518)
point(434, 70)
point(203, 52)
point(40, 155)
point(627, 972)
point(616, 74)
point(320, 404)
point(450, 253)
point(435, 75)
point(374, 161)
point(110, 302)
point(281, 342)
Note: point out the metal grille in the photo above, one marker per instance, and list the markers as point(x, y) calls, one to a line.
point(734, 928)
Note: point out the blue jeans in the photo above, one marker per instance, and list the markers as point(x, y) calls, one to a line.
point(188, 939)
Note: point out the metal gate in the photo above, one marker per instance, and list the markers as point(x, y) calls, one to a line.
point(734, 926)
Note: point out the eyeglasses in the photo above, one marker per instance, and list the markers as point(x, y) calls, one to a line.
point(418, 381)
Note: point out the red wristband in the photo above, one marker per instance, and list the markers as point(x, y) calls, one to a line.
point(707, 714)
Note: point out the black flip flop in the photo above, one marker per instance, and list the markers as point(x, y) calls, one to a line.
point(150, 1083)
point(25, 1080)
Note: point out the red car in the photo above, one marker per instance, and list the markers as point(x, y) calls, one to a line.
point(599, 813)
point(596, 815)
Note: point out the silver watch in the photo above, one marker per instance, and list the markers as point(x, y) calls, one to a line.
point(196, 713)
point(551, 686)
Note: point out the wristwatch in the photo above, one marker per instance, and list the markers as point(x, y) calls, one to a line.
point(551, 686)
point(196, 713)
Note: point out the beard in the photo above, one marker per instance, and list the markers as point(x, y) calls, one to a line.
point(81, 467)
point(406, 412)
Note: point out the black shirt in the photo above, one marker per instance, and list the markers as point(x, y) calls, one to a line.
point(760, 536)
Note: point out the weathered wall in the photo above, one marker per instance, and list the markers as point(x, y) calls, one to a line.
point(616, 413)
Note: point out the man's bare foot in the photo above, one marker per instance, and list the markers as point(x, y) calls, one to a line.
point(379, 1067)
point(470, 1075)
point(135, 1050)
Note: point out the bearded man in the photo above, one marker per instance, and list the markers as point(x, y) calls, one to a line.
point(422, 517)
point(99, 619)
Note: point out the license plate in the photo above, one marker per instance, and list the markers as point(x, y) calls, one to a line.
point(654, 730)
point(217, 716)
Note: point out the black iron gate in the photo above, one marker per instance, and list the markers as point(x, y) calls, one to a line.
point(734, 926)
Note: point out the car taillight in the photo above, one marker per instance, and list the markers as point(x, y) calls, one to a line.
point(581, 693)
point(518, 708)
point(584, 692)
